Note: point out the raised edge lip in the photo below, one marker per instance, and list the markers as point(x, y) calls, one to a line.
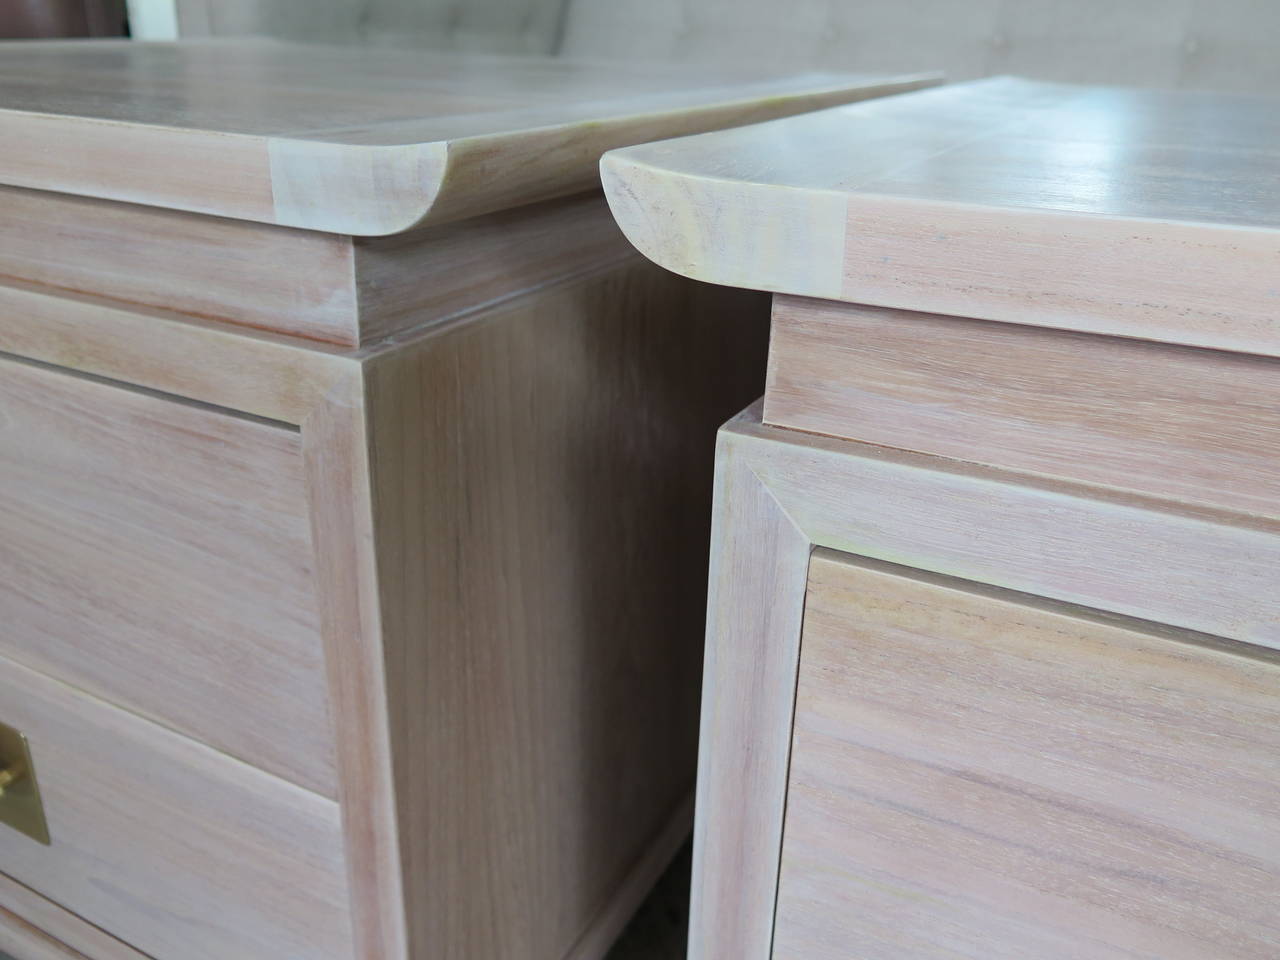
point(417, 198)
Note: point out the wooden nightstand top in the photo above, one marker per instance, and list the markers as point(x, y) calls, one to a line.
point(357, 140)
point(1140, 213)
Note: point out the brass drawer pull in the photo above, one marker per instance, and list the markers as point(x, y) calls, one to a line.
point(11, 774)
point(20, 805)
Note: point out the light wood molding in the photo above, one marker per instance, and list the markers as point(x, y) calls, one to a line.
point(782, 492)
point(118, 510)
point(35, 928)
point(265, 375)
point(432, 275)
point(958, 201)
point(295, 282)
point(355, 140)
point(755, 603)
point(1170, 421)
point(336, 446)
point(335, 289)
point(175, 848)
point(985, 774)
point(20, 940)
point(1216, 571)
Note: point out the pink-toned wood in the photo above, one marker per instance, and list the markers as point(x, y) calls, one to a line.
point(297, 282)
point(1178, 422)
point(540, 486)
point(759, 561)
point(1139, 213)
point(433, 274)
point(504, 429)
point(249, 274)
point(261, 374)
point(358, 140)
point(30, 923)
point(335, 437)
point(21, 940)
point(1216, 572)
point(781, 492)
point(158, 554)
point(180, 851)
point(978, 774)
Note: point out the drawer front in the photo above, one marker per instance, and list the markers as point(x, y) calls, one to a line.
point(169, 845)
point(157, 554)
point(977, 775)
point(33, 927)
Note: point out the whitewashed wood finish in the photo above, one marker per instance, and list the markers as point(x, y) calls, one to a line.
point(977, 774)
point(1158, 419)
point(759, 561)
point(343, 290)
point(336, 440)
point(260, 374)
point(158, 555)
point(1216, 573)
point(546, 662)
point(432, 275)
point(1136, 213)
point(33, 927)
point(20, 940)
point(292, 281)
point(554, 376)
point(508, 569)
point(178, 850)
point(354, 140)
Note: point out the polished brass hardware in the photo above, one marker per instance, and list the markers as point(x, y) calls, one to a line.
point(20, 804)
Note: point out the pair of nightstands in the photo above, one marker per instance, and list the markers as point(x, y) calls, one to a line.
point(992, 663)
point(354, 495)
point(355, 482)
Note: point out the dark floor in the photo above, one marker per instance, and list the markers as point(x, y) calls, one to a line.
point(659, 928)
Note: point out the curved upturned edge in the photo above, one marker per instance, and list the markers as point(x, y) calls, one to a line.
point(734, 233)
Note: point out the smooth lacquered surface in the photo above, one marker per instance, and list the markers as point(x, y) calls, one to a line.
point(365, 140)
point(1138, 212)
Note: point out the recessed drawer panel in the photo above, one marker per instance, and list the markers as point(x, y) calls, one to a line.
point(169, 845)
point(157, 554)
point(978, 775)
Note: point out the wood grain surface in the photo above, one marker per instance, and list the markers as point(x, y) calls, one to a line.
point(171, 846)
point(1175, 422)
point(540, 482)
point(1082, 544)
point(33, 927)
point(262, 374)
point(158, 555)
point(355, 140)
point(1146, 214)
point(249, 274)
point(341, 290)
point(782, 492)
point(979, 774)
point(755, 604)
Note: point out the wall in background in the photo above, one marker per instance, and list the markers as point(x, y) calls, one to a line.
point(504, 26)
point(1198, 44)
